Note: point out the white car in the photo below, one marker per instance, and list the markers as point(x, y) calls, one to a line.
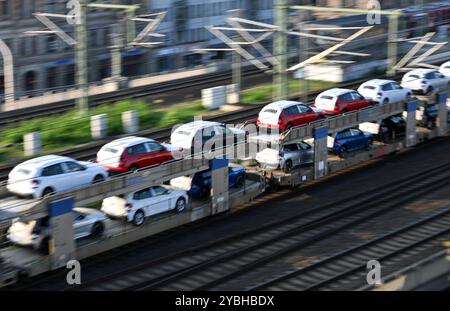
point(425, 81)
point(53, 174)
point(445, 69)
point(384, 91)
point(193, 135)
point(35, 233)
point(138, 205)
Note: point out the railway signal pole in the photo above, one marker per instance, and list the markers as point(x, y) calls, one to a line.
point(280, 79)
point(82, 77)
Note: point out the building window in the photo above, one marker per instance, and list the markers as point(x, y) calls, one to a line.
point(4, 8)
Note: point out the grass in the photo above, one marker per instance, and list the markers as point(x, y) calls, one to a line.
point(263, 93)
point(71, 129)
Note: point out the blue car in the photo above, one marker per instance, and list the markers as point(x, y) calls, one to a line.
point(349, 140)
point(199, 185)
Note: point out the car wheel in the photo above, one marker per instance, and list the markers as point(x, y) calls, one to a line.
point(47, 191)
point(429, 90)
point(287, 166)
point(98, 178)
point(239, 182)
point(385, 101)
point(138, 218)
point(180, 205)
point(97, 229)
point(133, 169)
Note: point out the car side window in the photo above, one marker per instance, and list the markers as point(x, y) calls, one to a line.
point(429, 75)
point(346, 97)
point(356, 132)
point(291, 110)
point(356, 96)
point(396, 86)
point(159, 190)
point(344, 134)
point(304, 146)
point(142, 194)
point(292, 147)
point(73, 167)
point(137, 149)
point(154, 147)
point(304, 108)
point(78, 217)
point(52, 170)
point(387, 87)
point(209, 132)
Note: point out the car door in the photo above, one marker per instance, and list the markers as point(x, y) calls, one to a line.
point(137, 155)
point(359, 101)
point(307, 153)
point(388, 92)
point(292, 115)
point(443, 81)
point(81, 225)
point(398, 92)
point(156, 154)
point(292, 152)
point(307, 114)
point(161, 199)
point(77, 173)
point(346, 138)
point(431, 79)
point(347, 102)
point(54, 176)
point(358, 138)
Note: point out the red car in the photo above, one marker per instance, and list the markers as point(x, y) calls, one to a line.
point(337, 101)
point(285, 114)
point(132, 153)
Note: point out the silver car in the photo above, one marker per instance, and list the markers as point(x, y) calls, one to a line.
point(287, 157)
point(35, 233)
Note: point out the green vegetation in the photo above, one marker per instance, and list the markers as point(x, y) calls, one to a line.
point(70, 129)
point(263, 93)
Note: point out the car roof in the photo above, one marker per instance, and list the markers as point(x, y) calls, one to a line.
point(281, 104)
point(45, 160)
point(445, 64)
point(126, 142)
point(377, 82)
point(421, 71)
point(196, 125)
point(336, 91)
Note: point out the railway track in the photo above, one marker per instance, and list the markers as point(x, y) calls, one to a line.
point(214, 265)
point(16, 116)
point(347, 270)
